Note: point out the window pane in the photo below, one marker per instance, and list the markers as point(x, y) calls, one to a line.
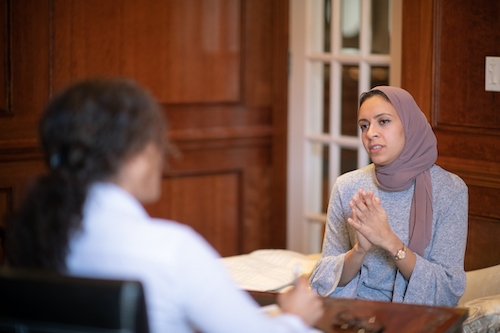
point(349, 103)
point(321, 26)
point(318, 118)
point(350, 25)
point(379, 76)
point(317, 177)
point(349, 160)
point(327, 22)
point(380, 27)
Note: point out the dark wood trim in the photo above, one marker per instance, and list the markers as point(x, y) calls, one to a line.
point(8, 189)
point(211, 133)
point(7, 112)
point(20, 155)
point(436, 68)
point(51, 48)
point(280, 122)
point(479, 173)
point(20, 150)
point(417, 52)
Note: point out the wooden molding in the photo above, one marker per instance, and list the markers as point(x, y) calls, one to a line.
point(5, 60)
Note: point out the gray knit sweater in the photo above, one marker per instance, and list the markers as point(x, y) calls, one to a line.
point(437, 279)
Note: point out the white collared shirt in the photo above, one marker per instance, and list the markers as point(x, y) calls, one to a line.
point(185, 283)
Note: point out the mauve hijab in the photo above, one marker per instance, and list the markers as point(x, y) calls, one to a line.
point(412, 166)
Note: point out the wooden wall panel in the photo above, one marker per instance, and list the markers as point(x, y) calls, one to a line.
point(5, 202)
point(249, 159)
point(248, 136)
point(185, 51)
point(445, 43)
point(466, 38)
point(27, 73)
point(482, 243)
point(15, 177)
point(212, 199)
point(417, 52)
point(466, 118)
point(24, 89)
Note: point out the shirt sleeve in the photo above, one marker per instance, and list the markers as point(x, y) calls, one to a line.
point(213, 303)
point(336, 243)
point(439, 279)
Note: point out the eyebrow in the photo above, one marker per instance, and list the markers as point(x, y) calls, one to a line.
point(377, 116)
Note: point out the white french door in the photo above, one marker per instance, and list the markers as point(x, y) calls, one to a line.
point(338, 49)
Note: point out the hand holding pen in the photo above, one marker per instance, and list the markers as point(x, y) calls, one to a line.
point(301, 300)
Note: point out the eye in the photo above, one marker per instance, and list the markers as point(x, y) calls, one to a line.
point(384, 121)
point(363, 127)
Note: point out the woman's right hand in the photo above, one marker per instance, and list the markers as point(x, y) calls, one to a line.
point(302, 301)
point(363, 243)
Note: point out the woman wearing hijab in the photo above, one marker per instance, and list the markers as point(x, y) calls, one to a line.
point(396, 228)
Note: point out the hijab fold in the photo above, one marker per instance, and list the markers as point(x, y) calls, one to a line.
point(412, 166)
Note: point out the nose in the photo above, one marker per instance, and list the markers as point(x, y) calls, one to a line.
point(372, 132)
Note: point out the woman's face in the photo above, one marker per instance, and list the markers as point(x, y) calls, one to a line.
point(382, 131)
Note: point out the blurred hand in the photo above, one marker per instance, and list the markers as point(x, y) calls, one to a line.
point(302, 301)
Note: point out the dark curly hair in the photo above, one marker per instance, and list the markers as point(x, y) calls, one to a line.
point(87, 132)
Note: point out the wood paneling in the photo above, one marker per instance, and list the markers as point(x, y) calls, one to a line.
point(249, 159)
point(455, 37)
point(24, 83)
point(5, 202)
point(15, 177)
point(219, 70)
point(482, 243)
point(185, 51)
point(276, 229)
point(27, 73)
point(214, 199)
point(466, 38)
point(417, 51)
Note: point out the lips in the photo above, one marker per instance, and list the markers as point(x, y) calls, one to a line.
point(375, 148)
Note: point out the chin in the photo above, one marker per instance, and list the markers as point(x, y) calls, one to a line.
point(379, 163)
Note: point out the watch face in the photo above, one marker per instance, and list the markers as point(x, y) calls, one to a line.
point(401, 254)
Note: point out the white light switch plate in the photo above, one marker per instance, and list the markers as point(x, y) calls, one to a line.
point(492, 77)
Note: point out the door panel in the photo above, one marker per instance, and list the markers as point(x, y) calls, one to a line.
point(185, 51)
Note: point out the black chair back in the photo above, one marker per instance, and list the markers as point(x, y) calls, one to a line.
point(36, 302)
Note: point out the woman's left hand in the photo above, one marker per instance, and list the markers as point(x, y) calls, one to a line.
point(371, 219)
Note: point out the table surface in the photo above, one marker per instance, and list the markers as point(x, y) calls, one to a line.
point(351, 315)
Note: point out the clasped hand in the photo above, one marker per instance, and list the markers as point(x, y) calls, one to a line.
point(370, 221)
